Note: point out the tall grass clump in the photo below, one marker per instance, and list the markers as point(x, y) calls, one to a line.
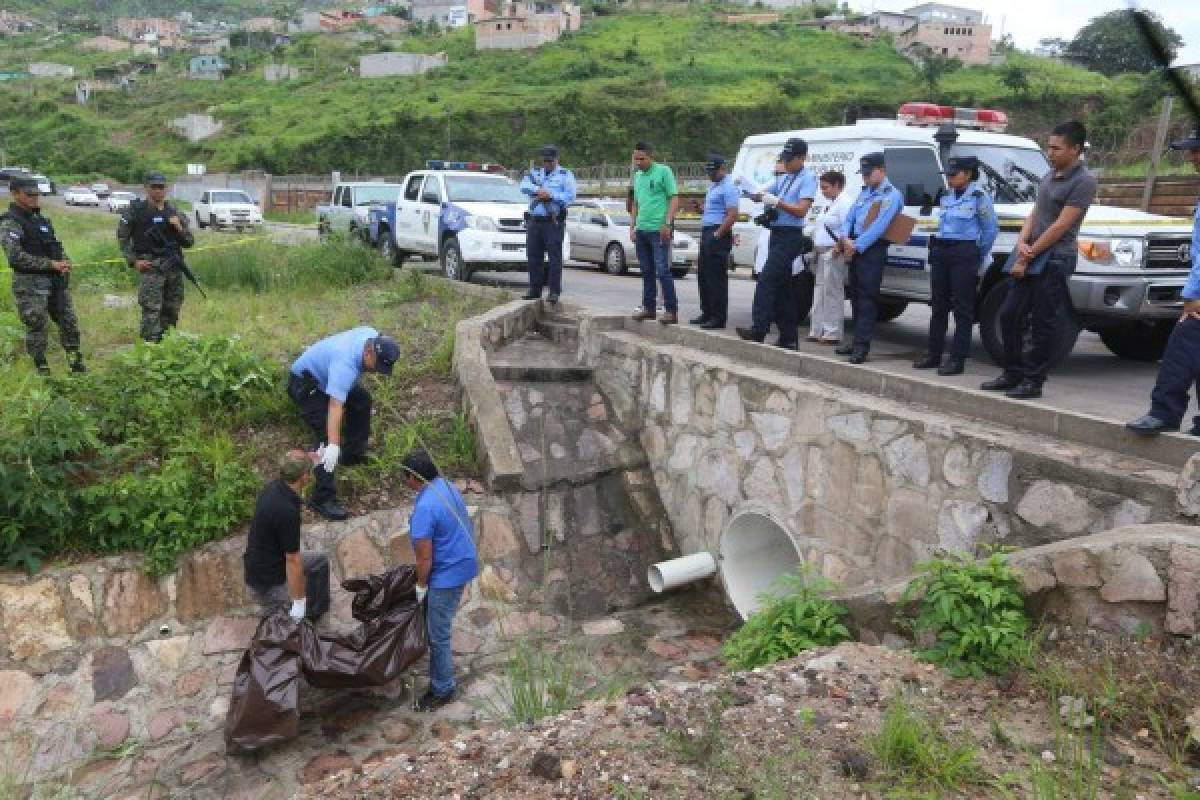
point(263, 266)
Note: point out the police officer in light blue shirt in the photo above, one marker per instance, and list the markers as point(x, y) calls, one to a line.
point(1180, 367)
point(787, 201)
point(863, 246)
point(551, 188)
point(716, 240)
point(966, 231)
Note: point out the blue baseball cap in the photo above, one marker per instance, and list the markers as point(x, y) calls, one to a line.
point(386, 353)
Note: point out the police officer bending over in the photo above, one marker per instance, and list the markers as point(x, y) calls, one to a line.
point(552, 189)
point(40, 275)
point(1180, 367)
point(324, 384)
point(966, 231)
point(863, 246)
point(151, 233)
point(787, 201)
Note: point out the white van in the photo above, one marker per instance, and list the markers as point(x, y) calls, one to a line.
point(1132, 265)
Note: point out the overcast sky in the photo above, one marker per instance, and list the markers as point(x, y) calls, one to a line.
point(1031, 20)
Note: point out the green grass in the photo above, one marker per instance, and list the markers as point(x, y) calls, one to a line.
point(675, 74)
point(914, 753)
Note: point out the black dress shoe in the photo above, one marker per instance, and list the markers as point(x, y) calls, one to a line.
point(552, 299)
point(1149, 425)
point(750, 335)
point(700, 320)
point(1026, 390)
point(531, 295)
point(432, 702)
point(788, 345)
point(845, 350)
point(857, 357)
point(1001, 384)
point(927, 361)
point(713, 325)
point(330, 509)
point(952, 366)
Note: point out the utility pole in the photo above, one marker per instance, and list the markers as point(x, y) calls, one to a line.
point(1160, 137)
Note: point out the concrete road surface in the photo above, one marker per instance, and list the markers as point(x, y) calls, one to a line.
point(1092, 380)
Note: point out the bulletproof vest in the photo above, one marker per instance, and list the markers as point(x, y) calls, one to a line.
point(151, 233)
point(37, 234)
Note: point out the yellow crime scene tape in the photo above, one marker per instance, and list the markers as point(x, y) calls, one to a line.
point(222, 246)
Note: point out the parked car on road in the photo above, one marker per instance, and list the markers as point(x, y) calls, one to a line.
point(101, 189)
point(80, 196)
point(599, 231)
point(45, 185)
point(118, 201)
point(227, 208)
point(349, 213)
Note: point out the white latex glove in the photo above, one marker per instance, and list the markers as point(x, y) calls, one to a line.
point(329, 455)
point(769, 200)
point(298, 608)
point(421, 591)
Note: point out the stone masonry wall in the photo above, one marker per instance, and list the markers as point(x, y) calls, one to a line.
point(867, 487)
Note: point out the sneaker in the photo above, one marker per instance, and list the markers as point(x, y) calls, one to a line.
point(432, 702)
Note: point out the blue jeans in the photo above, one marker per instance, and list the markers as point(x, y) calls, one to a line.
point(1178, 372)
point(654, 259)
point(440, 605)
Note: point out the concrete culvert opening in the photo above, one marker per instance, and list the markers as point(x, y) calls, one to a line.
point(755, 550)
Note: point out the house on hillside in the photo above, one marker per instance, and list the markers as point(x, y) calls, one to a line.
point(892, 21)
point(446, 13)
point(779, 5)
point(11, 22)
point(208, 44)
point(380, 65)
point(48, 69)
point(953, 31)
point(262, 25)
point(132, 28)
point(207, 68)
point(273, 73)
point(526, 24)
point(328, 21)
point(386, 23)
point(105, 44)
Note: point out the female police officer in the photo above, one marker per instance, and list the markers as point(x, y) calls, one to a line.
point(966, 230)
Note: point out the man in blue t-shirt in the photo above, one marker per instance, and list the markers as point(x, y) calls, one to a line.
point(323, 383)
point(440, 531)
point(787, 201)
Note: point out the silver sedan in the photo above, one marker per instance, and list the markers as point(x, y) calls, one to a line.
point(599, 231)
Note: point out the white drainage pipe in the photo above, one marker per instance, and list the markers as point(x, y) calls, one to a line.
point(678, 571)
point(755, 550)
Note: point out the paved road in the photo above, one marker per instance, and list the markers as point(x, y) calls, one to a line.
point(1091, 380)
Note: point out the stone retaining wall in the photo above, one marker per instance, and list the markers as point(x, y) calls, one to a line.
point(1136, 579)
point(867, 486)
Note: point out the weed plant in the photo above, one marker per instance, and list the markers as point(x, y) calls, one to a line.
point(914, 753)
point(974, 612)
point(795, 616)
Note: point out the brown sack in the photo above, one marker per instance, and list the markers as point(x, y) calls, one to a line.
point(264, 708)
point(390, 639)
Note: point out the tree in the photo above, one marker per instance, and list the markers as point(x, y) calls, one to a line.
point(931, 67)
point(1111, 44)
point(1016, 78)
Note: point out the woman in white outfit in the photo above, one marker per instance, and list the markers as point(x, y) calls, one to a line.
point(829, 296)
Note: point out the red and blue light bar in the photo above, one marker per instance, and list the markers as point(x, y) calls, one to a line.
point(467, 166)
point(985, 119)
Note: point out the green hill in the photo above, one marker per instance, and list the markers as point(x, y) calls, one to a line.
point(679, 77)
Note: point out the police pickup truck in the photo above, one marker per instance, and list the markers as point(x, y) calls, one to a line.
point(1131, 267)
point(469, 216)
point(352, 202)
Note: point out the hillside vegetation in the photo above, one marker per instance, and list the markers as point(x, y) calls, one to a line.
point(678, 77)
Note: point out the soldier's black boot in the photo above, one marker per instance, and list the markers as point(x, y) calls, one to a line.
point(75, 360)
point(42, 367)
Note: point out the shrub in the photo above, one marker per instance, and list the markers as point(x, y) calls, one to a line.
point(974, 611)
point(797, 618)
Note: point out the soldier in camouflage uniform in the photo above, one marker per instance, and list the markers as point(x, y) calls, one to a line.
point(151, 233)
point(40, 275)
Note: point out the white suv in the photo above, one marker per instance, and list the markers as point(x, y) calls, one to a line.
point(227, 208)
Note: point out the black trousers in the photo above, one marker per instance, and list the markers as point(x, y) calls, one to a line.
point(1178, 372)
point(953, 278)
point(803, 286)
point(544, 242)
point(774, 298)
point(712, 274)
point(356, 427)
point(1034, 302)
point(866, 278)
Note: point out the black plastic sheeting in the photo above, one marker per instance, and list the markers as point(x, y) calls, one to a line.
point(266, 691)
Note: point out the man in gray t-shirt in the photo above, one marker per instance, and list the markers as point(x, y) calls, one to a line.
point(1045, 259)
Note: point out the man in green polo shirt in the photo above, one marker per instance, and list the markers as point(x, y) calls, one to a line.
point(655, 203)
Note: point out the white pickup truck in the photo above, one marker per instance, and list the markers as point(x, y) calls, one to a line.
point(471, 217)
point(352, 202)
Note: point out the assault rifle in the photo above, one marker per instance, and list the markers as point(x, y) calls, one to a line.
point(170, 249)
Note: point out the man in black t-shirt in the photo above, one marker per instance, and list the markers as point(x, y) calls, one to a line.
point(280, 577)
